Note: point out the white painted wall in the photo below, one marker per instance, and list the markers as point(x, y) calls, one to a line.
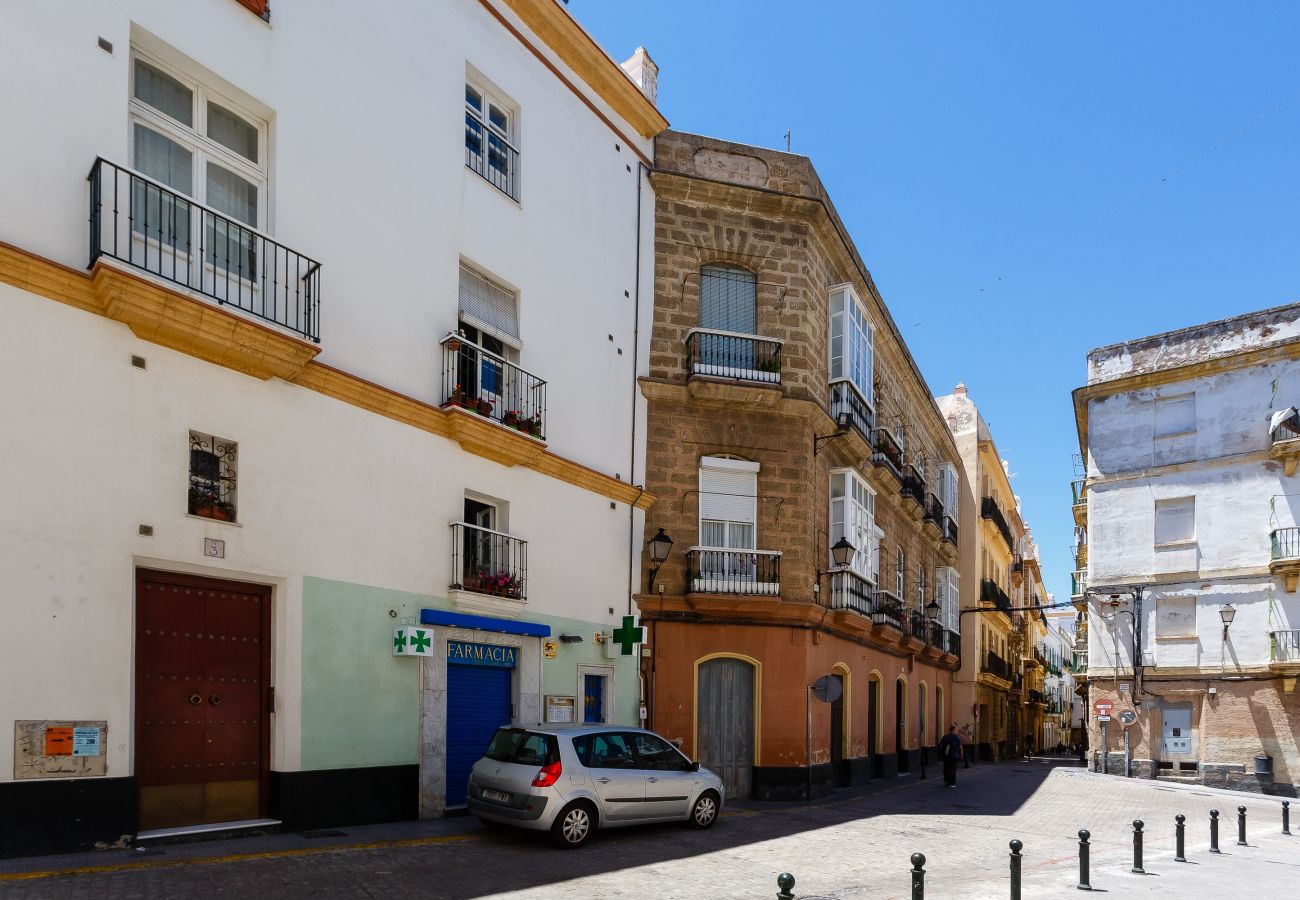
point(1240, 497)
point(367, 176)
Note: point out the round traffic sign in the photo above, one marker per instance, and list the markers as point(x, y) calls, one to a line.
point(1103, 707)
point(828, 689)
point(1128, 717)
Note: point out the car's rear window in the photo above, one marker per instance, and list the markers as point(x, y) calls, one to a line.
point(527, 748)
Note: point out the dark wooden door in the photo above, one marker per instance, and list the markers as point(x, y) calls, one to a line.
point(900, 736)
point(202, 679)
point(725, 723)
point(839, 772)
point(873, 736)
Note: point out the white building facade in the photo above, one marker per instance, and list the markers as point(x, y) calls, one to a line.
point(1189, 587)
point(320, 329)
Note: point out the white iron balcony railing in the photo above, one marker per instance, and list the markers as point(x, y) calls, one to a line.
point(720, 570)
point(488, 562)
point(145, 224)
point(728, 354)
point(481, 381)
point(1285, 646)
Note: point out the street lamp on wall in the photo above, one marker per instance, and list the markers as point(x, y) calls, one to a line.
point(660, 545)
point(842, 554)
point(1227, 613)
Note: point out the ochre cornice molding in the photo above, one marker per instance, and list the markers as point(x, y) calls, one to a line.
point(174, 319)
point(571, 43)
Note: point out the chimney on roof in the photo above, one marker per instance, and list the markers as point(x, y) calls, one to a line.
point(960, 389)
point(642, 70)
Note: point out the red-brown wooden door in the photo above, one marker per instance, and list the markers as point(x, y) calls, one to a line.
point(202, 676)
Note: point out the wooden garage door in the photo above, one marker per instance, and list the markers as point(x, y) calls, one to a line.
point(725, 723)
point(202, 678)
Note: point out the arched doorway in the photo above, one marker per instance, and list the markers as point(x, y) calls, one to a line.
point(900, 724)
point(922, 714)
point(839, 771)
point(724, 722)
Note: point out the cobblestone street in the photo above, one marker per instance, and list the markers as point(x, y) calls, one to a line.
point(847, 847)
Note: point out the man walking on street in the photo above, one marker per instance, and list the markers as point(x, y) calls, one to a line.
point(950, 752)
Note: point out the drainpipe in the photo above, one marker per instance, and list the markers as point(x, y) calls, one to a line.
point(633, 575)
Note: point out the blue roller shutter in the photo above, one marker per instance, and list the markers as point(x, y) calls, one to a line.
point(478, 702)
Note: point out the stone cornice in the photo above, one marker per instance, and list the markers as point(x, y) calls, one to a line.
point(174, 319)
point(570, 42)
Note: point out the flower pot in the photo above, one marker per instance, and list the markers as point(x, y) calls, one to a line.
point(453, 346)
point(511, 419)
point(484, 407)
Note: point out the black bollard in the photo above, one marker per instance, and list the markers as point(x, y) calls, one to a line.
point(1178, 839)
point(1137, 848)
point(1083, 860)
point(1015, 869)
point(785, 881)
point(1214, 831)
point(1286, 816)
point(1241, 826)
point(918, 876)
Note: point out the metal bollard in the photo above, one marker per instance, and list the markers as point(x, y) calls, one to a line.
point(785, 881)
point(1178, 839)
point(1015, 869)
point(918, 876)
point(1137, 848)
point(1286, 816)
point(1241, 826)
point(1214, 831)
point(1083, 860)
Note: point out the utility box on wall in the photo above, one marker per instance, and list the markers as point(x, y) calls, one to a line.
point(46, 748)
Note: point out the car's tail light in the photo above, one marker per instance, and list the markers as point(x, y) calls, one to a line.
point(548, 775)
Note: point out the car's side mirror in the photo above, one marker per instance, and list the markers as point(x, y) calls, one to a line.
point(695, 767)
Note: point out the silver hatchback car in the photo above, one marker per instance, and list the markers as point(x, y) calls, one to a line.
point(571, 781)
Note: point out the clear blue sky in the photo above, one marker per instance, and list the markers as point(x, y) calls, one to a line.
point(1025, 180)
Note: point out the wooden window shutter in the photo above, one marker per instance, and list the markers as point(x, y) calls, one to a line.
point(261, 8)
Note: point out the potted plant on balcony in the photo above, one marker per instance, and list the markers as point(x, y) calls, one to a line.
point(502, 584)
point(205, 502)
point(484, 406)
point(457, 398)
point(454, 344)
point(535, 425)
point(511, 418)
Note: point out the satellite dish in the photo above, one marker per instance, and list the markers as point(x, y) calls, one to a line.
point(828, 689)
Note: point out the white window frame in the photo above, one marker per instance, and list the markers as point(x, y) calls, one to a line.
point(900, 573)
point(853, 516)
point(852, 362)
point(194, 138)
point(1169, 504)
point(948, 475)
point(508, 136)
point(1168, 402)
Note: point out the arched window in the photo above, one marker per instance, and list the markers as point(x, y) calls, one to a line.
point(728, 299)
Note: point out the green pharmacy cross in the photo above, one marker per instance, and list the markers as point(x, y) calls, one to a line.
point(628, 635)
point(399, 642)
point(420, 643)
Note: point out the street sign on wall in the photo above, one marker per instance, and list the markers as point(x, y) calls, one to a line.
point(1103, 708)
point(1128, 717)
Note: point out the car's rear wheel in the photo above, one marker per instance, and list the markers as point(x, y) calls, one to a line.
point(574, 825)
point(705, 811)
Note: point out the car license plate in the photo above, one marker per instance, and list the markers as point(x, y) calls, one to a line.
point(498, 796)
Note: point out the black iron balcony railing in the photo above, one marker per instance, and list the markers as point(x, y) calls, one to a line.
point(950, 530)
point(846, 399)
point(1285, 646)
point(1035, 696)
point(849, 590)
point(952, 641)
point(482, 382)
point(996, 665)
point(488, 562)
point(1017, 563)
point(719, 570)
point(918, 627)
point(1078, 582)
point(933, 509)
point(913, 487)
point(725, 354)
point(1285, 543)
point(491, 155)
point(145, 224)
point(888, 611)
point(991, 592)
point(1079, 662)
point(989, 509)
point(887, 453)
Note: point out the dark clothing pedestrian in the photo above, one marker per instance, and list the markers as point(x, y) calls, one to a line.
point(950, 753)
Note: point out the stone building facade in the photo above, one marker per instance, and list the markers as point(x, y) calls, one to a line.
point(1191, 518)
point(785, 413)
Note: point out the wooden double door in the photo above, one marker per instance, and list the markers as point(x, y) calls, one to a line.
point(202, 699)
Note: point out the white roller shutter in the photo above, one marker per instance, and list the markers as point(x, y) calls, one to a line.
point(488, 305)
point(728, 490)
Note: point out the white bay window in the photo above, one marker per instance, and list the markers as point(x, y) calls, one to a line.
point(853, 516)
point(852, 345)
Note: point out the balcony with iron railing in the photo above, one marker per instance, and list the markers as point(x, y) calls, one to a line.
point(144, 224)
point(887, 453)
point(477, 380)
point(844, 398)
point(990, 510)
point(851, 591)
point(720, 570)
point(1284, 443)
point(1079, 663)
point(1284, 556)
point(734, 356)
point(1284, 649)
point(1079, 501)
point(489, 154)
point(913, 486)
point(993, 664)
point(1078, 583)
point(934, 515)
point(991, 592)
point(1036, 696)
point(488, 562)
point(949, 534)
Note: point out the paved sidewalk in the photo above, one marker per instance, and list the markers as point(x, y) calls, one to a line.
point(854, 845)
